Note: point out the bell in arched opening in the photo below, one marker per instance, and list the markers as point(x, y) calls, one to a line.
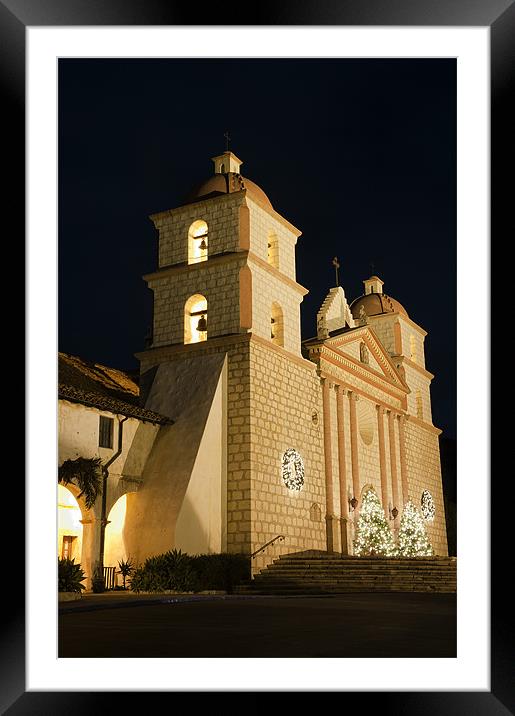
point(195, 319)
point(202, 324)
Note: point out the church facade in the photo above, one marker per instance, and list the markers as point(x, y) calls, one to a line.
point(271, 439)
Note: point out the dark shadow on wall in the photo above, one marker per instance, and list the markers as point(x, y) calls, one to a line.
point(448, 461)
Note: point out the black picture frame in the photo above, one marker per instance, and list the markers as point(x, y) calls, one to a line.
point(499, 15)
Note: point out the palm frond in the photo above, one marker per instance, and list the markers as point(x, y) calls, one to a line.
point(86, 474)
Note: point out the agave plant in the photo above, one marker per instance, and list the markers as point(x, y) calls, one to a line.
point(86, 473)
point(126, 568)
point(70, 576)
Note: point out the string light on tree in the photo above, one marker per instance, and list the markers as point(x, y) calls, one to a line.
point(373, 534)
point(413, 539)
point(427, 506)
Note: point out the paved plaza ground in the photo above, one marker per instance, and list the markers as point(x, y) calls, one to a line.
point(344, 625)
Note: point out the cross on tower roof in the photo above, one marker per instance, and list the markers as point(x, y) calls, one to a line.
point(227, 140)
point(336, 267)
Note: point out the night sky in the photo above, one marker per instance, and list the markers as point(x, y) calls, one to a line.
point(360, 155)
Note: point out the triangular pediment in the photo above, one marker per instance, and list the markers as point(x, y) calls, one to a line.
point(365, 352)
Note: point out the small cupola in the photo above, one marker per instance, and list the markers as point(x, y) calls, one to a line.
point(373, 285)
point(226, 163)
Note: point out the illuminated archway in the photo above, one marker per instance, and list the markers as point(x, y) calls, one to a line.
point(195, 319)
point(115, 549)
point(69, 525)
point(197, 242)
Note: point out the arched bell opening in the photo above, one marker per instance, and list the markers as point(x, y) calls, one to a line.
point(195, 319)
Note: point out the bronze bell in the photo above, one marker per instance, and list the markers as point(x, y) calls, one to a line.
point(203, 245)
point(202, 324)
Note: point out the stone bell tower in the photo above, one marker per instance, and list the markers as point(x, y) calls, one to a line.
point(225, 364)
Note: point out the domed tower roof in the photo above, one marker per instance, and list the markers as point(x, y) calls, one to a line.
point(227, 180)
point(375, 302)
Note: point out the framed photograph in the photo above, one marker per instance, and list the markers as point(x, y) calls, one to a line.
point(367, 130)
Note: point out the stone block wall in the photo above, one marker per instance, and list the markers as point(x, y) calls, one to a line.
point(410, 334)
point(383, 327)
point(266, 289)
point(221, 215)
point(417, 381)
point(284, 395)
point(424, 473)
point(262, 225)
point(216, 280)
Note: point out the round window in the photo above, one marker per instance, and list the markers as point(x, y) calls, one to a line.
point(292, 470)
point(427, 506)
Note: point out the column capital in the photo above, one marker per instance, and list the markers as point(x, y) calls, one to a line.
point(352, 395)
point(380, 409)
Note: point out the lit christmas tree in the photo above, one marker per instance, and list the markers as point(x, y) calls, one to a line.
point(373, 534)
point(413, 539)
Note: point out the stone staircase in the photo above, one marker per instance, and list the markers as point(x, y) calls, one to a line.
point(315, 572)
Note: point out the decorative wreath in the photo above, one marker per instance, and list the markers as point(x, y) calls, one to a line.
point(292, 470)
point(427, 506)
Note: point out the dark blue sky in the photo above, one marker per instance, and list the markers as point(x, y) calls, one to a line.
point(359, 154)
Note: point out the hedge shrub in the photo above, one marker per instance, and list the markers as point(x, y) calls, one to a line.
point(180, 572)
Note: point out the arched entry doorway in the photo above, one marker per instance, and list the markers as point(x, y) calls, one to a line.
point(69, 525)
point(115, 549)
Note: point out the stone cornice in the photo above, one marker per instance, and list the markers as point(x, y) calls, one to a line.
point(277, 274)
point(163, 352)
point(415, 366)
point(353, 392)
point(375, 346)
point(373, 380)
point(216, 259)
point(422, 424)
point(243, 256)
point(328, 348)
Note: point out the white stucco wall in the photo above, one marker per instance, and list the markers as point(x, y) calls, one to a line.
point(200, 522)
point(78, 435)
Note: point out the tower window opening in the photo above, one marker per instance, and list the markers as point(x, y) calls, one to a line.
point(272, 255)
point(277, 325)
point(420, 406)
point(413, 348)
point(195, 319)
point(197, 242)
